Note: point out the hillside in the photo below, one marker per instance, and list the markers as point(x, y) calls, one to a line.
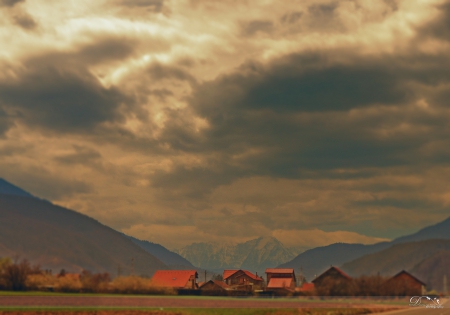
point(440, 230)
point(10, 189)
point(58, 238)
point(433, 269)
point(255, 255)
point(171, 259)
point(315, 261)
point(424, 257)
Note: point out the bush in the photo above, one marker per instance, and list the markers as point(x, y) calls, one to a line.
point(137, 285)
point(94, 282)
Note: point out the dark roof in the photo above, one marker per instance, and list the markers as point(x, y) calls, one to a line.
point(280, 270)
point(228, 273)
point(221, 284)
point(408, 274)
point(333, 268)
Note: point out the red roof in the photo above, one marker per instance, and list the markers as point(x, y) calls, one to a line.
point(173, 278)
point(307, 287)
point(279, 283)
point(280, 270)
point(228, 273)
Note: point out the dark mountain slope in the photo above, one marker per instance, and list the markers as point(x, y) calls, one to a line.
point(405, 256)
point(57, 238)
point(317, 260)
point(10, 189)
point(433, 269)
point(440, 230)
point(169, 258)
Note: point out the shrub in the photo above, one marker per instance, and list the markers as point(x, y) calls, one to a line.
point(137, 285)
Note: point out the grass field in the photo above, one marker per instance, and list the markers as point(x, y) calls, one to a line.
point(192, 311)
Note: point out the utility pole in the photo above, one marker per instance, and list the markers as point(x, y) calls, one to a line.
point(132, 266)
point(205, 275)
point(300, 280)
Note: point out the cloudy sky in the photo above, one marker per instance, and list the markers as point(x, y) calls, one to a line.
point(180, 121)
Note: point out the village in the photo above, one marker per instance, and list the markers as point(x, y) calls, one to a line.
point(284, 282)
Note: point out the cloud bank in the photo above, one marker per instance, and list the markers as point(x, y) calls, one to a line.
point(181, 121)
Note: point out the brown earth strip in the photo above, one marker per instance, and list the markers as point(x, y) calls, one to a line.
point(171, 302)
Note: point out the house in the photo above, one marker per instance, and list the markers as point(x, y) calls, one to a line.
point(177, 279)
point(333, 282)
point(214, 285)
point(404, 284)
point(281, 278)
point(242, 278)
point(306, 288)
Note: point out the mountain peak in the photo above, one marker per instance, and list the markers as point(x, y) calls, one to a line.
point(10, 189)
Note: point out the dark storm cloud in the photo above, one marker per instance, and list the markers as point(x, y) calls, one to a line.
point(25, 21)
point(306, 115)
point(153, 5)
point(439, 27)
point(158, 72)
point(58, 92)
point(253, 27)
point(61, 99)
point(291, 17)
point(303, 83)
point(82, 155)
point(10, 3)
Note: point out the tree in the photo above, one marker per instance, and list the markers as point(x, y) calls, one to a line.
point(14, 275)
point(217, 277)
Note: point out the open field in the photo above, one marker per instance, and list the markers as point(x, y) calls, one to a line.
point(38, 303)
point(191, 311)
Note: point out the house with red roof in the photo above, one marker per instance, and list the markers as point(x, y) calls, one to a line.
point(177, 279)
point(242, 278)
point(281, 278)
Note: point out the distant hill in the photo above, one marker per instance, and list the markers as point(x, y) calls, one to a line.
point(58, 238)
point(433, 269)
point(315, 261)
point(255, 255)
point(171, 259)
point(440, 230)
point(428, 259)
point(10, 189)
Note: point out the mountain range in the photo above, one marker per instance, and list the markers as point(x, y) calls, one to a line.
point(426, 247)
point(58, 238)
point(254, 255)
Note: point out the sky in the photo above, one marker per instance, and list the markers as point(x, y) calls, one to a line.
point(180, 121)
